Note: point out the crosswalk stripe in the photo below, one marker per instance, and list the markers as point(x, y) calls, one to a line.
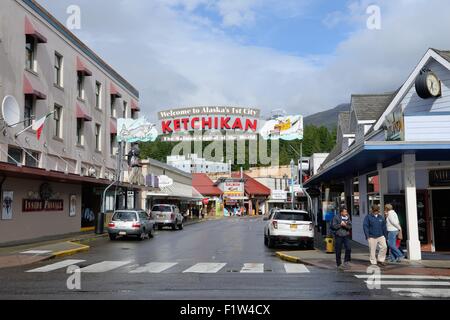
point(36, 252)
point(403, 276)
point(253, 268)
point(411, 283)
point(104, 266)
point(205, 268)
point(154, 267)
point(295, 268)
point(422, 292)
point(56, 266)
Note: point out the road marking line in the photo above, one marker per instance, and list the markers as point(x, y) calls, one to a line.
point(403, 276)
point(36, 252)
point(253, 268)
point(105, 266)
point(57, 265)
point(295, 268)
point(207, 267)
point(411, 283)
point(422, 292)
point(154, 267)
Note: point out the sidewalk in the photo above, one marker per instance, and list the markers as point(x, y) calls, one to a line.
point(360, 262)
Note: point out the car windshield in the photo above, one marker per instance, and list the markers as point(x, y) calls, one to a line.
point(162, 208)
point(292, 216)
point(124, 216)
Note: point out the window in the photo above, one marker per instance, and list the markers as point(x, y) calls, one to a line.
point(28, 110)
point(125, 107)
point(30, 53)
point(355, 197)
point(113, 146)
point(32, 158)
point(133, 114)
point(98, 95)
point(57, 116)
point(97, 137)
point(58, 70)
point(15, 155)
point(80, 132)
point(373, 190)
point(292, 216)
point(80, 86)
point(113, 106)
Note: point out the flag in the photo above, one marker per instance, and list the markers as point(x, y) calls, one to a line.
point(38, 125)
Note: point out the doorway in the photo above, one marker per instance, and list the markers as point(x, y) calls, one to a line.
point(441, 219)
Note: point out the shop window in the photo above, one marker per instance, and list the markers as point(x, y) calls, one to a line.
point(355, 197)
point(109, 202)
point(15, 155)
point(373, 190)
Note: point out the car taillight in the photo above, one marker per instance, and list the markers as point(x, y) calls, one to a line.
point(275, 224)
point(136, 225)
point(310, 227)
point(111, 225)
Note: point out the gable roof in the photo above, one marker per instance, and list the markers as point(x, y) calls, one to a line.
point(369, 107)
point(252, 186)
point(443, 53)
point(344, 122)
point(203, 184)
point(336, 151)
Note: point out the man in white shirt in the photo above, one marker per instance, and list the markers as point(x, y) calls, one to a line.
point(394, 228)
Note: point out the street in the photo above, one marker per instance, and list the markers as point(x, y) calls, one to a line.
point(220, 259)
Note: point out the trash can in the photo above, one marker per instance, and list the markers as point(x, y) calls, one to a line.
point(329, 244)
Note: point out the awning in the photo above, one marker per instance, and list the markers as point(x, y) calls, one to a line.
point(81, 113)
point(134, 105)
point(113, 126)
point(82, 69)
point(31, 87)
point(114, 91)
point(30, 30)
point(178, 191)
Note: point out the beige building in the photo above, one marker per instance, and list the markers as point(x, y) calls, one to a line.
point(53, 185)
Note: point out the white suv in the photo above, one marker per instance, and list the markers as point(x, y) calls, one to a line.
point(289, 226)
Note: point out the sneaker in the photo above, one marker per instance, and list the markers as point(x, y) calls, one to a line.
point(340, 268)
point(347, 264)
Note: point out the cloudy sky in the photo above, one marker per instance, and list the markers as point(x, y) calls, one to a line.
point(303, 56)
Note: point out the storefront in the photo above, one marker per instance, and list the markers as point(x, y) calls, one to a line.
point(212, 201)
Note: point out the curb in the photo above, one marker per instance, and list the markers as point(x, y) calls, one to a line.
point(288, 258)
point(69, 252)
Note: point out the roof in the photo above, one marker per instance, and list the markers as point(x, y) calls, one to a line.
point(443, 53)
point(252, 186)
point(203, 184)
point(332, 155)
point(156, 163)
point(48, 17)
point(344, 122)
point(370, 106)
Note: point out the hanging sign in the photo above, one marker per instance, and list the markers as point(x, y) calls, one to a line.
point(285, 128)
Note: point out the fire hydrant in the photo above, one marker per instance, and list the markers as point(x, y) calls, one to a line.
point(329, 244)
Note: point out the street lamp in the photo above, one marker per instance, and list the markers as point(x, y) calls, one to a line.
point(292, 183)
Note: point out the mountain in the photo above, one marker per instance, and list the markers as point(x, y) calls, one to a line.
point(327, 118)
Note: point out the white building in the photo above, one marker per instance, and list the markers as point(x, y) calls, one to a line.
point(194, 164)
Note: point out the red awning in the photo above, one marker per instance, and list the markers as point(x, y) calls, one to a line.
point(203, 184)
point(32, 87)
point(114, 91)
point(135, 106)
point(252, 186)
point(82, 69)
point(30, 30)
point(113, 126)
point(81, 114)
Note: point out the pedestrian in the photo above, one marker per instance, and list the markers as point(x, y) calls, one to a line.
point(376, 233)
point(341, 225)
point(394, 230)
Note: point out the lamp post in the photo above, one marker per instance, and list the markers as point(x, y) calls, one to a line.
point(292, 183)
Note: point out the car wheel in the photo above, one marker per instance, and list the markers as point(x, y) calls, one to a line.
point(310, 245)
point(270, 243)
point(180, 226)
point(266, 242)
point(160, 227)
point(112, 237)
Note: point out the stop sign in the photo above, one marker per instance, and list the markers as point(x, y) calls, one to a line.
point(205, 201)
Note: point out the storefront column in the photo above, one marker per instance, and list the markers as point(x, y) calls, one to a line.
point(382, 176)
point(413, 243)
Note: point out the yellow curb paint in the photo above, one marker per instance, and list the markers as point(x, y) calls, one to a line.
point(69, 252)
point(87, 229)
point(288, 258)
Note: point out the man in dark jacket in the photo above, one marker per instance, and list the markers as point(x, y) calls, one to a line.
point(376, 234)
point(341, 225)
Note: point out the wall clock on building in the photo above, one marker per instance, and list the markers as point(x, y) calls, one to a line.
point(428, 85)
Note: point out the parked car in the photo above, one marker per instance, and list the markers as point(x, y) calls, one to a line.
point(131, 223)
point(167, 215)
point(289, 226)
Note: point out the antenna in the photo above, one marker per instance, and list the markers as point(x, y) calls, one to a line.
point(10, 111)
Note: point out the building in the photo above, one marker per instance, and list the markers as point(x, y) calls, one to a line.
point(53, 185)
point(401, 155)
point(316, 161)
point(213, 206)
point(194, 164)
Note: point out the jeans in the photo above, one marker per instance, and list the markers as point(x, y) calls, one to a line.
point(338, 242)
point(395, 253)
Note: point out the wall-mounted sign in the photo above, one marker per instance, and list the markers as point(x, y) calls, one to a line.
point(439, 178)
point(285, 128)
point(279, 195)
point(7, 202)
point(33, 205)
point(394, 125)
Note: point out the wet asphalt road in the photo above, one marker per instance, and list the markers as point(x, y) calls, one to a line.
point(232, 241)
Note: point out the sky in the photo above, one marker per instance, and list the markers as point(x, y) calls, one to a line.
point(303, 56)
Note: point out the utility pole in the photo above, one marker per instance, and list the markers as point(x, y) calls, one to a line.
point(292, 183)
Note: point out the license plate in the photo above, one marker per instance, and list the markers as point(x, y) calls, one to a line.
point(122, 233)
point(293, 226)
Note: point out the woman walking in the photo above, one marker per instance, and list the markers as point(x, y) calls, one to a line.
point(394, 230)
